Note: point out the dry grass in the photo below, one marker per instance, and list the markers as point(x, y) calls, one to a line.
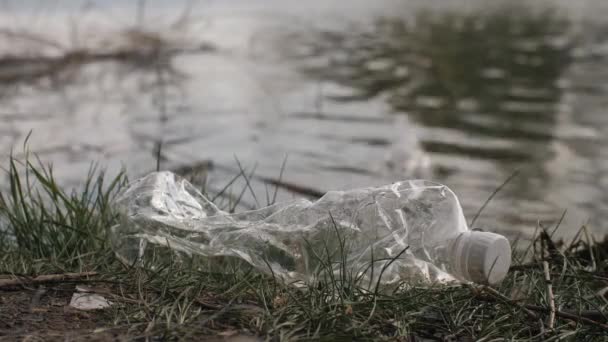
point(48, 230)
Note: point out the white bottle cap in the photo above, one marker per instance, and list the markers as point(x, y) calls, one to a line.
point(481, 257)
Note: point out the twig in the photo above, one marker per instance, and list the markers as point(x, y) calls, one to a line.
point(567, 315)
point(522, 267)
point(550, 296)
point(547, 244)
point(581, 276)
point(47, 278)
point(531, 309)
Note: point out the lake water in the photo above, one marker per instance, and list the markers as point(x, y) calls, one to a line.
point(354, 93)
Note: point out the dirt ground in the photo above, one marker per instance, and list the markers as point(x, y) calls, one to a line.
point(38, 314)
point(44, 314)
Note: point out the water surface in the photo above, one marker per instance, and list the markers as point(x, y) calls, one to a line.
point(353, 93)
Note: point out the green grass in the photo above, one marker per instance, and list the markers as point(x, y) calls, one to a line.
point(46, 229)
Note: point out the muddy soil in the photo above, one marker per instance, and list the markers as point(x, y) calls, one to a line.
point(43, 314)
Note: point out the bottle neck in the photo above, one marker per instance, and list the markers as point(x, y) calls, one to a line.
point(456, 264)
point(443, 255)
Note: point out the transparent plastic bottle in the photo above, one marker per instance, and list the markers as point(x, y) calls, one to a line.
point(411, 231)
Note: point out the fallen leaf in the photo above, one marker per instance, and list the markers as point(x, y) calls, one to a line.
point(349, 310)
point(89, 301)
point(228, 333)
point(279, 301)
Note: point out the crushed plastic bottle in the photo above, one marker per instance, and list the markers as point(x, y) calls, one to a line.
point(410, 231)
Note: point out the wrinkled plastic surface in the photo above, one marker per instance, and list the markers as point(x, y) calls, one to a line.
point(394, 233)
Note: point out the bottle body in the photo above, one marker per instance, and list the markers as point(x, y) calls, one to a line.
point(400, 232)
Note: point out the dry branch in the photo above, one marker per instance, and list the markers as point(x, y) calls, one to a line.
point(47, 278)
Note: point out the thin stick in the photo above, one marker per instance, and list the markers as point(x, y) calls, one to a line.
point(530, 309)
point(550, 296)
point(567, 315)
point(47, 278)
point(515, 173)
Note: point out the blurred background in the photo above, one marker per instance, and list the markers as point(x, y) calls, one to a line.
point(310, 96)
